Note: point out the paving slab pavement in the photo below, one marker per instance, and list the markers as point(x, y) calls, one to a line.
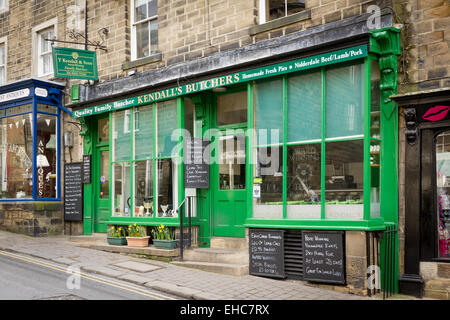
point(184, 282)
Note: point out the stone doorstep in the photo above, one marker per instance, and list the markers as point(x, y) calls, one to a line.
point(228, 243)
point(217, 255)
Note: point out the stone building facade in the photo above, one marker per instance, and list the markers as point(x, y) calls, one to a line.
point(197, 39)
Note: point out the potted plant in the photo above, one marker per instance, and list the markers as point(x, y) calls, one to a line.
point(116, 236)
point(137, 236)
point(163, 237)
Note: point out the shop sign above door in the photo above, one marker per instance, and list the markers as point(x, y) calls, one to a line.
point(75, 63)
point(320, 60)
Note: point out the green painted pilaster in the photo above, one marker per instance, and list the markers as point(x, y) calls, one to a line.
point(86, 133)
point(385, 43)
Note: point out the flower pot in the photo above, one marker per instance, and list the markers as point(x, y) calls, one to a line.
point(138, 241)
point(117, 241)
point(165, 244)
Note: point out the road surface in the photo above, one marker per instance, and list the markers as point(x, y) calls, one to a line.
point(27, 278)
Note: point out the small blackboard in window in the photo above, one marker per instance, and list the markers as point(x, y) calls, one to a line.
point(73, 191)
point(196, 163)
point(87, 168)
point(266, 253)
point(324, 256)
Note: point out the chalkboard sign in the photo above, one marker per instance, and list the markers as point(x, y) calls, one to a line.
point(73, 191)
point(87, 168)
point(266, 253)
point(323, 256)
point(196, 167)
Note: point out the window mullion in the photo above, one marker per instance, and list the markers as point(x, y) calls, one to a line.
point(284, 148)
point(322, 159)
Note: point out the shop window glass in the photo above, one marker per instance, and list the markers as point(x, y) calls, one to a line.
point(46, 158)
point(121, 189)
point(143, 132)
point(344, 101)
point(189, 109)
point(16, 154)
point(443, 192)
point(167, 123)
point(103, 130)
point(375, 100)
point(121, 135)
point(232, 108)
point(143, 186)
point(375, 150)
point(47, 108)
point(232, 162)
point(303, 181)
point(344, 179)
point(304, 99)
point(269, 169)
point(167, 187)
point(104, 175)
point(20, 109)
point(269, 112)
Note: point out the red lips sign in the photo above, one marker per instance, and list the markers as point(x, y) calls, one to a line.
point(436, 113)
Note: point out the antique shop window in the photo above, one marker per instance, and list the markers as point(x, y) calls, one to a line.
point(17, 157)
point(46, 160)
point(443, 192)
point(19, 137)
point(145, 28)
point(312, 126)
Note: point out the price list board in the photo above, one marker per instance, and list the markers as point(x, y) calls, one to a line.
point(73, 191)
point(324, 256)
point(266, 253)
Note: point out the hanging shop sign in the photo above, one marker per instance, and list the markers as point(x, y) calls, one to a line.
point(75, 64)
point(320, 60)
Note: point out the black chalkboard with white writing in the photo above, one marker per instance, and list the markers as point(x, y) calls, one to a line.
point(196, 167)
point(266, 253)
point(324, 256)
point(87, 168)
point(73, 191)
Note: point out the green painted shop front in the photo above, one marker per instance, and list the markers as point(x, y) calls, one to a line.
point(310, 143)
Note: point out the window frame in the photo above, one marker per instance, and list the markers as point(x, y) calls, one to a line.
point(264, 15)
point(36, 41)
point(366, 219)
point(4, 65)
point(177, 188)
point(34, 101)
point(5, 7)
point(134, 25)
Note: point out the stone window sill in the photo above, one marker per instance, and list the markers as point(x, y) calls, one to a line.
point(280, 22)
point(142, 61)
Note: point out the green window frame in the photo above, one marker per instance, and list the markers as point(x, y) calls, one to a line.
point(146, 158)
point(369, 138)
